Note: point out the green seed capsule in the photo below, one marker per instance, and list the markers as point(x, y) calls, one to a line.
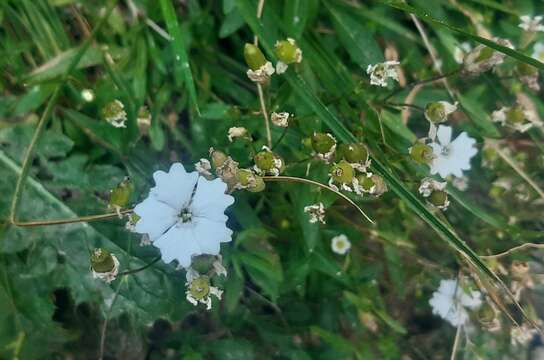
point(251, 181)
point(526, 69)
point(286, 51)
point(515, 115)
point(342, 173)
point(120, 195)
point(254, 57)
point(323, 143)
point(354, 153)
point(438, 198)
point(102, 261)
point(264, 160)
point(421, 153)
point(200, 287)
point(485, 54)
point(218, 158)
point(435, 112)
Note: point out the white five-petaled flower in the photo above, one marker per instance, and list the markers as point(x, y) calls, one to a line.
point(531, 23)
point(538, 51)
point(236, 132)
point(379, 73)
point(340, 244)
point(316, 213)
point(184, 215)
point(451, 302)
point(451, 157)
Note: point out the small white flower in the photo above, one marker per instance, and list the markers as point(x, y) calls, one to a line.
point(451, 157)
point(316, 213)
point(460, 183)
point(184, 215)
point(531, 24)
point(87, 95)
point(459, 52)
point(262, 74)
point(538, 51)
point(236, 132)
point(203, 167)
point(115, 114)
point(340, 244)
point(516, 118)
point(428, 185)
point(379, 73)
point(280, 119)
point(483, 58)
point(451, 302)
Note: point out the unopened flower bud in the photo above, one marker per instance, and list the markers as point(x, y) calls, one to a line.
point(421, 153)
point(254, 57)
point(288, 53)
point(218, 157)
point(87, 95)
point(236, 132)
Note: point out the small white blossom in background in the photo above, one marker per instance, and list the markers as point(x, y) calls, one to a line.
point(460, 183)
point(459, 52)
point(521, 335)
point(199, 289)
point(316, 213)
point(236, 132)
point(104, 265)
point(451, 157)
point(435, 192)
point(451, 302)
point(87, 95)
point(379, 73)
point(538, 51)
point(280, 119)
point(340, 244)
point(115, 114)
point(184, 215)
point(438, 111)
point(516, 118)
point(531, 24)
point(203, 167)
point(261, 75)
point(483, 58)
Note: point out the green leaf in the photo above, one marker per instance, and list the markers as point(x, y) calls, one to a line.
point(179, 45)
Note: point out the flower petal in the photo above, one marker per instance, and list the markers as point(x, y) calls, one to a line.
point(210, 200)
point(444, 134)
point(179, 243)
point(174, 187)
point(155, 217)
point(210, 234)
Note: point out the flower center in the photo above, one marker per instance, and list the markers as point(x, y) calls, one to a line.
point(185, 215)
point(445, 150)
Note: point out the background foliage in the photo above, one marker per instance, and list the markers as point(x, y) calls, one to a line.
point(287, 295)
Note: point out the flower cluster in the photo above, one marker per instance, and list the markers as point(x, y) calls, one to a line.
point(452, 302)
point(260, 69)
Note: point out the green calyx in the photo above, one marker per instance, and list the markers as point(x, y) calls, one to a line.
point(438, 198)
point(120, 195)
point(102, 261)
point(322, 143)
point(200, 287)
point(354, 153)
point(515, 115)
point(254, 57)
point(342, 173)
point(421, 153)
point(250, 181)
point(264, 160)
point(366, 182)
point(435, 112)
point(286, 51)
point(113, 110)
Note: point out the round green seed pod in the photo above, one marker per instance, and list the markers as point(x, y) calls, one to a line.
point(102, 261)
point(342, 173)
point(354, 153)
point(120, 195)
point(264, 160)
point(515, 115)
point(438, 198)
point(435, 112)
point(421, 153)
point(286, 51)
point(200, 287)
point(254, 57)
point(322, 143)
point(218, 158)
point(525, 69)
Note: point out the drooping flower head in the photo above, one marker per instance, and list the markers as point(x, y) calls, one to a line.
point(184, 215)
point(451, 157)
point(451, 302)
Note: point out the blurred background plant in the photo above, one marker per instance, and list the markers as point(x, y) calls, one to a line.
point(164, 81)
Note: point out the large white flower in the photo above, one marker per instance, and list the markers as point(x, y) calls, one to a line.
point(184, 215)
point(451, 157)
point(451, 302)
point(538, 51)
